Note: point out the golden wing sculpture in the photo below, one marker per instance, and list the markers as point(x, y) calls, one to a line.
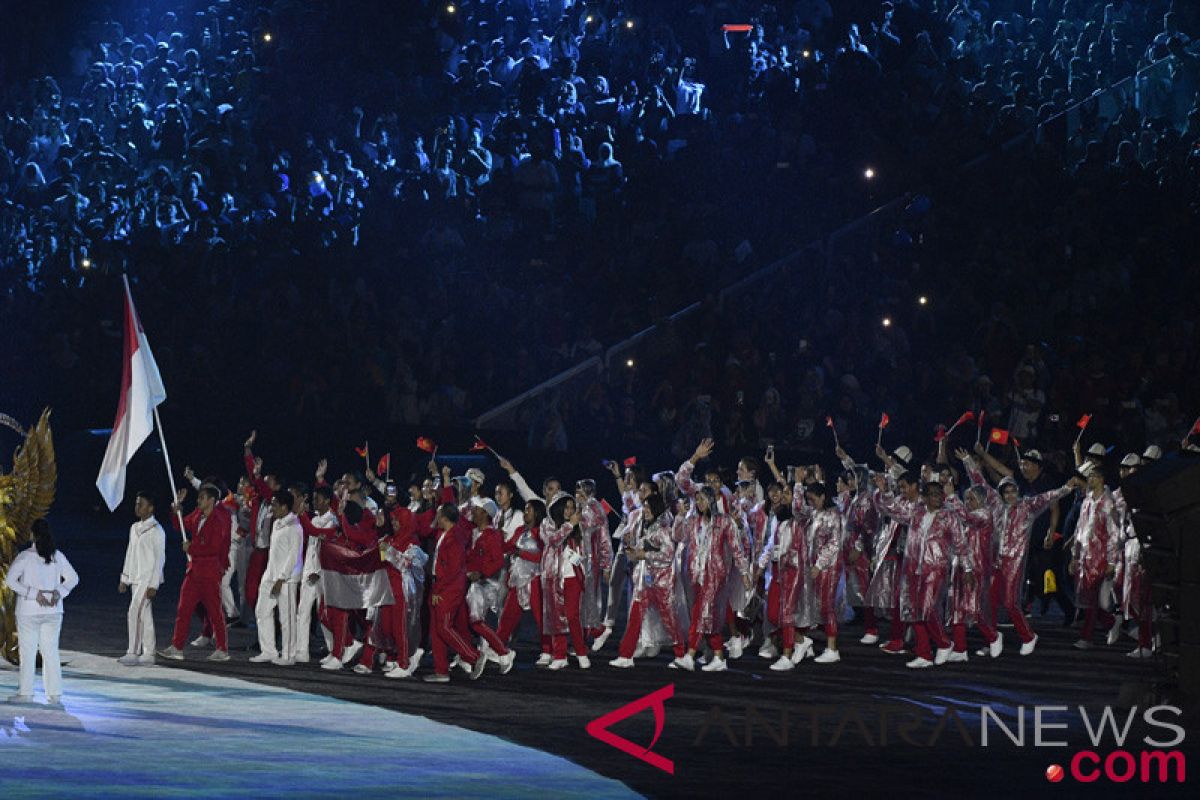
point(26, 494)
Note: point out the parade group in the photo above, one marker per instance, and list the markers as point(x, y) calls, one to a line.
point(918, 553)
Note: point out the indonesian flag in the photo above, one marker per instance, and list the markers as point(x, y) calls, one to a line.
point(141, 392)
point(999, 436)
point(351, 579)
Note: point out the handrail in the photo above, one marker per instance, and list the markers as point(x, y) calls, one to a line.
point(550, 383)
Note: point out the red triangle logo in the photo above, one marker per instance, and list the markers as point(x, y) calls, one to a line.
point(599, 728)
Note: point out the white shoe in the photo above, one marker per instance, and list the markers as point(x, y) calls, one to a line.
point(735, 647)
point(148, 660)
point(1027, 647)
point(942, 655)
point(218, 655)
point(362, 669)
point(1082, 644)
point(870, 638)
point(1141, 652)
point(802, 650)
point(1114, 633)
point(283, 662)
point(331, 663)
point(128, 660)
point(919, 663)
point(685, 661)
point(783, 664)
point(768, 650)
point(397, 672)
point(414, 660)
point(829, 657)
point(558, 663)
point(325, 660)
point(487, 652)
point(599, 641)
point(984, 651)
point(350, 652)
point(958, 658)
point(506, 661)
point(202, 641)
point(437, 678)
point(544, 660)
point(621, 663)
point(716, 665)
point(478, 667)
point(262, 658)
point(172, 652)
point(584, 662)
point(996, 646)
point(653, 651)
point(464, 666)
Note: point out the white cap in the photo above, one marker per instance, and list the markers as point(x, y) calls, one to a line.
point(1153, 453)
point(487, 504)
point(1131, 460)
point(475, 474)
point(1097, 450)
point(1086, 468)
point(903, 454)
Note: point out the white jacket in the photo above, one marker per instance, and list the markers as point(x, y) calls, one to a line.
point(145, 555)
point(312, 556)
point(284, 561)
point(30, 574)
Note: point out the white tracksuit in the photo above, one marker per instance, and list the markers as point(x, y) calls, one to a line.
point(283, 564)
point(310, 591)
point(144, 559)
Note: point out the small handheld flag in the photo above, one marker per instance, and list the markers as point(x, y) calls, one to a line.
point(999, 436)
point(1195, 427)
point(385, 464)
point(1082, 424)
point(630, 462)
point(884, 421)
point(607, 508)
point(479, 446)
point(737, 28)
point(426, 444)
point(939, 435)
point(967, 417)
point(829, 424)
point(364, 451)
point(979, 425)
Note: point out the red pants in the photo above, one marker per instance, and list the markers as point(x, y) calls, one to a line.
point(634, 628)
point(482, 629)
point(959, 632)
point(339, 626)
point(1089, 622)
point(255, 568)
point(1000, 599)
point(445, 631)
point(714, 639)
point(199, 590)
point(510, 615)
point(786, 632)
point(926, 630)
point(392, 627)
point(573, 591)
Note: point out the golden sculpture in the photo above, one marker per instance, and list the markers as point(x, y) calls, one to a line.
point(25, 496)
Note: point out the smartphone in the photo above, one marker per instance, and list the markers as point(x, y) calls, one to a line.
point(771, 451)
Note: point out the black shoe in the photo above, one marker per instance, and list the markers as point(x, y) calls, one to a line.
point(232, 622)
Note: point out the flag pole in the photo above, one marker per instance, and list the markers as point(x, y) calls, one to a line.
point(170, 475)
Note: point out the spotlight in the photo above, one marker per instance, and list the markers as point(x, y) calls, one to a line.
point(923, 300)
point(806, 53)
point(629, 24)
point(450, 9)
point(887, 322)
point(590, 19)
point(869, 173)
point(85, 263)
point(629, 363)
point(267, 38)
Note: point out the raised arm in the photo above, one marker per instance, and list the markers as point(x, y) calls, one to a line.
point(523, 488)
point(994, 465)
point(683, 478)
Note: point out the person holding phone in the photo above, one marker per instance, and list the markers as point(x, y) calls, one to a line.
point(40, 577)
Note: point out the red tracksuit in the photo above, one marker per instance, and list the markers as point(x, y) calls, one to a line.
point(209, 552)
point(485, 556)
point(525, 548)
point(450, 590)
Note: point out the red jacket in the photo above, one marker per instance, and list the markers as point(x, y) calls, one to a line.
point(450, 560)
point(486, 555)
point(209, 549)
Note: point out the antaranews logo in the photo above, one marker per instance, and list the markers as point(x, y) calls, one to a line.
point(599, 728)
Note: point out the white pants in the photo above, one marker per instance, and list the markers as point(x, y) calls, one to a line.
point(310, 596)
point(227, 604)
point(141, 622)
point(39, 632)
point(285, 602)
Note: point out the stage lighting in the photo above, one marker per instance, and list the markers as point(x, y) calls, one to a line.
point(85, 263)
point(450, 9)
point(589, 19)
point(923, 300)
point(267, 37)
point(887, 322)
point(629, 363)
point(869, 173)
point(806, 53)
point(629, 24)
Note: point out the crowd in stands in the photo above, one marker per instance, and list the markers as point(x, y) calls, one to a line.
point(415, 216)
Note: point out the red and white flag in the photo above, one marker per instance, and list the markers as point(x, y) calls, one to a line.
point(141, 391)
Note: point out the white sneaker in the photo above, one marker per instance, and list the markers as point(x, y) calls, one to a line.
point(478, 667)
point(172, 652)
point(1141, 652)
point(919, 663)
point(1114, 633)
point(437, 678)
point(621, 663)
point(783, 664)
point(942, 655)
point(544, 660)
point(1027, 647)
point(506, 661)
point(414, 660)
point(262, 658)
point(325, 660)
point(148, 659)
point(283, 662)
point(1082, 644)
point(350, 652)
point(331, 663)
point(202, 641)
point(218, 655)
point(599, 641)
point(984, 651)
point(958, 658)
point(735, 647)
point(558, 663)
point(870, 638)
point(361, 669)
point(584, 662)
point(768, 650)
point(685, 661)
point(397, 672)
point(716, 665)
point(128, 660)
point(828, 657)
point(802, 650)
point(487, 652)
point(464, 666)
point(996, 646)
